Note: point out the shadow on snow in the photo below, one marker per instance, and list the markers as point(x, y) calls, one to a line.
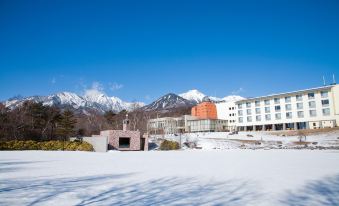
point(323, 192)
point(114, 189)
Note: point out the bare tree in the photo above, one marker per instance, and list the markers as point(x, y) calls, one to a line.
point(301, 136)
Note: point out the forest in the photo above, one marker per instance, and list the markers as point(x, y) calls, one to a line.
point(38, 122)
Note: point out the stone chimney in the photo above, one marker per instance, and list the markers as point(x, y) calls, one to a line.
point(125, 124)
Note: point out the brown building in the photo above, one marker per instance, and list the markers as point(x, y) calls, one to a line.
point(205, 110)
point(125, 140)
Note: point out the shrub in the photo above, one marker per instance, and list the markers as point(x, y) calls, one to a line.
point(48, 145)
point(85, 146)
point(169, 145)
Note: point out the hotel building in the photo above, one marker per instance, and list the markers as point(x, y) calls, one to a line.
point(305, 109)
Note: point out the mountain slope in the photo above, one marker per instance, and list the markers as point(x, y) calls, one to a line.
point(98, 102)
point(168, 101)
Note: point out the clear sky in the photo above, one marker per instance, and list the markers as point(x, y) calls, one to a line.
point(140, 50)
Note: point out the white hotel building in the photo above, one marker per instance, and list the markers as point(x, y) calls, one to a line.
point(305, 109)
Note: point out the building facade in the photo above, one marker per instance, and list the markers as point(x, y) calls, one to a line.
point(169, 125)
point(203, 119)
point(207, 125)
point(205, 110)
point(305, 109)
point(185, 124)
point(228, 111)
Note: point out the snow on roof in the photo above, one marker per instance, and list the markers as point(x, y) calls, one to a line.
point(286, 93)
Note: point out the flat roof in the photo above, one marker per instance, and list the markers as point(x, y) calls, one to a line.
point(206, 119)
point(286, 93)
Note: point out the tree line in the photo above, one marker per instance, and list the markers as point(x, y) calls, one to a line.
point(38, 122)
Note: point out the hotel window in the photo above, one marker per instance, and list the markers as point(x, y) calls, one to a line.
point(277, 108)
point(240, 113)
point(257, 110)
point(241, 120)
point(268, 117)
point(326, 112)
point(311, 95)
point(288, 107)
point(277, 116)
point(325, 102)
point(267, 102)
point(267, 110)
point(287, 99)
point(311, 104)
point(258, 118)
point(248, 104)
point(289, 115)
point(299, 97)
point(240, 106)
point(300, 106)
point(257, 103)
point(300, 114)
point(249, 119)
point(324, 94)
point(276, 100)
point(249, 111)
point(313, 113)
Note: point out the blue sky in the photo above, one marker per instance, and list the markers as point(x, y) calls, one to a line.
point(140, 50)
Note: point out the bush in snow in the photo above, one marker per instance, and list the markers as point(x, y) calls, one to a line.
point(48, 145)
point(169, 145)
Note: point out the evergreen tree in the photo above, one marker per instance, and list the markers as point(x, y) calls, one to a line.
point(66, 125)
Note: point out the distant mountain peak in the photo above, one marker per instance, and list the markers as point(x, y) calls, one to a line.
point(232, 98)
point(193, 95)
point(168, 101)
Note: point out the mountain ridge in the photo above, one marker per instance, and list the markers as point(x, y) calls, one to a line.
point(100, 102)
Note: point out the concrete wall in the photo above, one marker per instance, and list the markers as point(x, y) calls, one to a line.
point(99, 143)
point(228, 111)
point(335, 103)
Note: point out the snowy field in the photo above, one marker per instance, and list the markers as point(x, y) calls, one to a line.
point(192, 177)
point(256, 140)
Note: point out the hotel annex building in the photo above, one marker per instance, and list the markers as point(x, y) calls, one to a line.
point(304, 109)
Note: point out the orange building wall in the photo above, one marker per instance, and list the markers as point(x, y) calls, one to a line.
point(205, 110)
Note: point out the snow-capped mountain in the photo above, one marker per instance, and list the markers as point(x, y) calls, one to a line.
point(193, 95)
point(196, 97)
point(95, 101)
point(232, 98)
point(168, 101)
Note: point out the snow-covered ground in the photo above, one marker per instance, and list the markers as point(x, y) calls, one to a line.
point(191, 177)
point(257, 140)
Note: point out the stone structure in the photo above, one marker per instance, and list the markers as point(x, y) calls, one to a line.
point(125, 140)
